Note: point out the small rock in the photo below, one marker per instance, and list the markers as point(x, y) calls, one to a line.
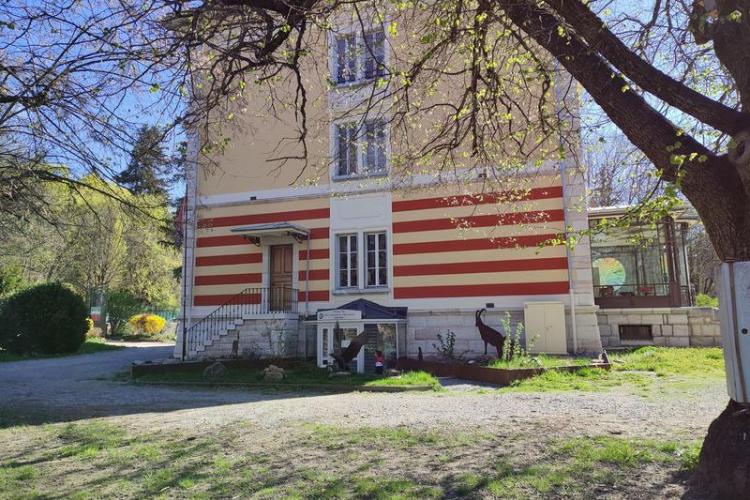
point(214, 371)
point(273, 374)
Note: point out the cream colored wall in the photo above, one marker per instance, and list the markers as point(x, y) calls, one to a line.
point(261, 123)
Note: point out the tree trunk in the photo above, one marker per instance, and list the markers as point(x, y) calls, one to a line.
point(724, 468)
point(724, 465)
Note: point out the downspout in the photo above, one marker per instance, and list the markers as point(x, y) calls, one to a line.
point(184, 277)
point(307, 277)
point(571, 293)
point(563, 177)
point(191, 212)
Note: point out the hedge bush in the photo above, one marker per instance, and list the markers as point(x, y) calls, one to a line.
point(150, 324)
point(121, 306)
point(44, 319)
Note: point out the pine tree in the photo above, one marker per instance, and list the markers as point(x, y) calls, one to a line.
point(148, 162)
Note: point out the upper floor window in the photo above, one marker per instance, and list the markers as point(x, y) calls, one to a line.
point(359, 58)
point(376, 260)
point(361, 148)
point(346, 59)
point(361, 270)
point(347, 261)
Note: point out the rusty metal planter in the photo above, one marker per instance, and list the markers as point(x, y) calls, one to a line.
point(477, 373)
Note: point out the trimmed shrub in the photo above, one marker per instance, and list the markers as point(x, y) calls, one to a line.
point(44, 319)
point(121, 306)
point(149, 324)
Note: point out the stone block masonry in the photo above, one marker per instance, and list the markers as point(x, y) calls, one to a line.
point(423, 328)
point(678, 326)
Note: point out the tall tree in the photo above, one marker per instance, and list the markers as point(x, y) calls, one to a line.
point(148, 163)
point(102, 243)
point(673, 76)
point(618, 173)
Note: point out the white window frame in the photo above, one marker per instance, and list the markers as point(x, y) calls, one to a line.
point(337, 269)
point(360, 142)
point(361, 50)
point(378, 265)
point(362, 286)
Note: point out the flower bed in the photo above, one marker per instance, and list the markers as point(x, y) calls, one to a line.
point(478, 373)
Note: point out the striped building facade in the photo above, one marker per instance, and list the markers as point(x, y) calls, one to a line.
point(447, 251)
point(343, 226)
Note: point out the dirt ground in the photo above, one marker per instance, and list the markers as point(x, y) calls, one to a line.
point(85, 433)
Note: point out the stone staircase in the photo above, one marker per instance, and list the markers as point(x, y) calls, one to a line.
point(215, 335)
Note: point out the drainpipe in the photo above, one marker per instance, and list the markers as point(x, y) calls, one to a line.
point(307, 277)
point(571, 293)
point(184, 276)
point(566, 218)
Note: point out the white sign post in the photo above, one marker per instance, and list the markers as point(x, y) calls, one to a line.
point(734, 304)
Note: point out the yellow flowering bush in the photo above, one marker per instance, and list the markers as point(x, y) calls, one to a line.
point(150, 324)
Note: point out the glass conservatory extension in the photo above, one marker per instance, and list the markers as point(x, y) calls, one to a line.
point(642, 266)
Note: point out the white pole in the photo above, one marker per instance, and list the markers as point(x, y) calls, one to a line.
point(734, 308)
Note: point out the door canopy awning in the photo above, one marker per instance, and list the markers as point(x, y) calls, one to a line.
point(368, 311)
point(256, 231)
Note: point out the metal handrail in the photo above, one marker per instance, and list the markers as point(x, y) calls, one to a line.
point(636, 289)
point(641, 290)
point(250, 301)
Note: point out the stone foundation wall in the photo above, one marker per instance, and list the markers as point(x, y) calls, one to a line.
point(423, 328)
point(257, 338)
point(269, 338)
point(678, 327)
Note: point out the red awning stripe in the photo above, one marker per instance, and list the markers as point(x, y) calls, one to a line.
point(222, 241)
point(218, 300)
point(473, 244)
point(229, 279)
point(314, 296)
point(315, 274)
point(318, 233)
point(290, 216)
point(448, 290)
point(491, 266)
point(320, 253)
point(492, 220)
point(228, 260)
point(479, 199)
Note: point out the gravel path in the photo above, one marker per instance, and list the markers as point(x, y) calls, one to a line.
point(78, 387)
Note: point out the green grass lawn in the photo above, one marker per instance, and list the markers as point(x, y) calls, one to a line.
point(91, 345)
point(304, 375)
point(100, 459)
point(639, 371)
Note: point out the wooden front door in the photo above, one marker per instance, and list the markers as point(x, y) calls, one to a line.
point(281, 266)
